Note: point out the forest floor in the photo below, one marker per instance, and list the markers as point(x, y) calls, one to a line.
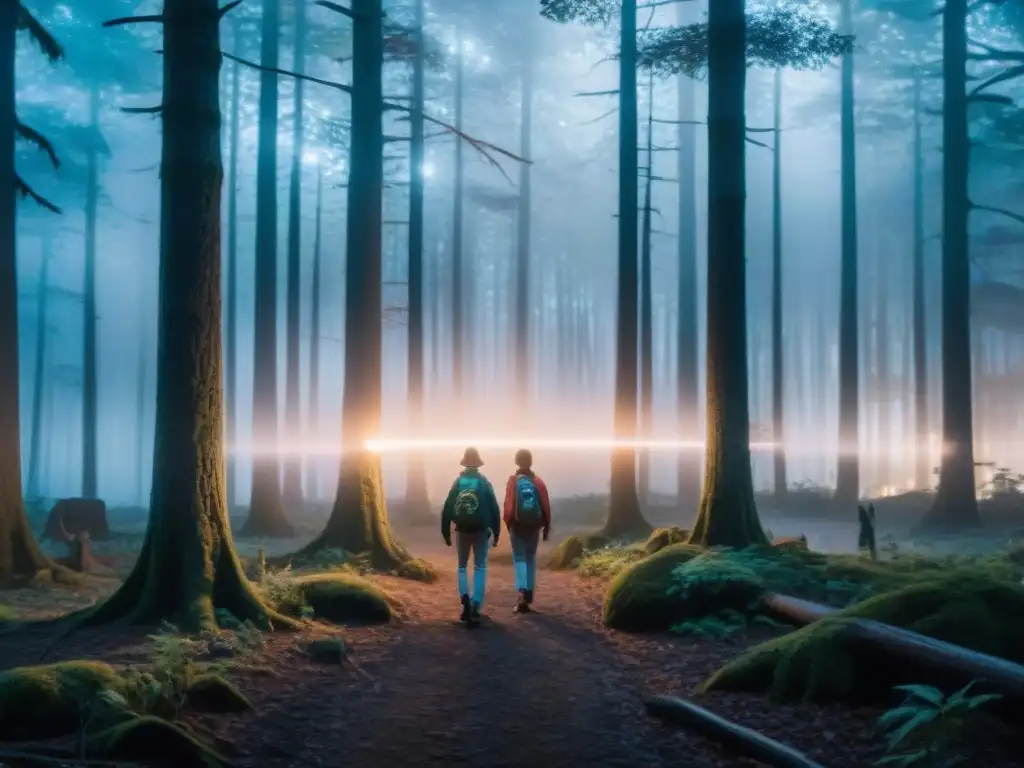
point(553, 688)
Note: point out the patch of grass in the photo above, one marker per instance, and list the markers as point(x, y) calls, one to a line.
point(818, 662)
point(607, 563)
point(281, 591)
point(417, 569)
point(343, 597)
point(47, 701)
point(570, 550)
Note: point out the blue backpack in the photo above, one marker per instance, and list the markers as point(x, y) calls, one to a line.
point(528, 511)
point(468, 513)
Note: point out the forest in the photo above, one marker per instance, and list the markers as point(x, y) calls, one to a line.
point(740, 275)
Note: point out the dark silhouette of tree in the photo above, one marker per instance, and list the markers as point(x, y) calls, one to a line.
point(778, 353)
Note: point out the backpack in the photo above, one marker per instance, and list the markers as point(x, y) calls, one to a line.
point(468, 513)
point(528, 511)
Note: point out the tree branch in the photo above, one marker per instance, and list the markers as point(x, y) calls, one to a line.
point(597, 93)
point(156, 18)
point(222, 12)
point(25, 190)
point(33, 136)
point(40, 36)
point(143, 110)
point(759, 143)
point(999, 211)
point(600, 117)
point(1002, 77)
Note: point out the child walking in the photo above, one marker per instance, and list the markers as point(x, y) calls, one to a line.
point(472, 508)
point(527, 516)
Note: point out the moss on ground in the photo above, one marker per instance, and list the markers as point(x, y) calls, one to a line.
point(7, 617)
point(212, 693)
point(638, 599)
point(969, 609)
point(46, 701)
point(344, 597)
point(417, 569)
point(663, 537)
point(146, 738)
point(567, 554)
point(608, 563)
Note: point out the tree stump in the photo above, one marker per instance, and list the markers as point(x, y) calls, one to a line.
point(73, 516)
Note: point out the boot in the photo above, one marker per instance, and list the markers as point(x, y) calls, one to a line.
point(529, 597)
point(474, 615)
point(523, 606)
point(467, 613)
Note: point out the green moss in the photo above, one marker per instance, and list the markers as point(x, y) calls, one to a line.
point(152, 739)
point(607, 563)
point(7, 617)
point(638, 598)
point(46, 701)
point(344, 597)
point(417, 569)
point(817, 663)
point(212, 693)
point(663, 537)
point(569, 551)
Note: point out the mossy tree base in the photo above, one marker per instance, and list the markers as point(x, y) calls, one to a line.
point(21, 559)
point(359, 518)
point(953, 511)
point(727, 517)
point(625, 519)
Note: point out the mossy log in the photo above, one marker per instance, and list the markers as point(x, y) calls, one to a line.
point(794, 610)
point(746, 741)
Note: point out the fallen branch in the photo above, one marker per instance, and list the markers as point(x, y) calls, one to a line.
point(744, 740)
point(794, 610)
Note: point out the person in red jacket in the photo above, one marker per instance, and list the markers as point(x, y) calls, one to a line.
point(527, 516)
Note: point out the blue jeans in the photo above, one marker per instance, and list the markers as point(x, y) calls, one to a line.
point(524, 556)
point(477, 544)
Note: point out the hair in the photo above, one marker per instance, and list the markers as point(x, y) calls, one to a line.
point(524, 459)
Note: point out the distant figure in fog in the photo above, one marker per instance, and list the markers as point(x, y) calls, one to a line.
point(527, 516)
point(472, 508)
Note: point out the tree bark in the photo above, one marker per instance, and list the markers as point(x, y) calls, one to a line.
point(922, 448)
point(458, 278)
point(313, 414)
point(140, 408)
point(89, 373)
point(624, 516)
point(848, 465)
point(778, 356)
point(523, 232)
point(647, 311)
point(359, 518)
point(293, 396)
point(39, 372)
point(188, 568)
point(232, 281)
point(416, 498)
point(727, 515)
point(688, 471)
point(266, 511)
point(956, 504)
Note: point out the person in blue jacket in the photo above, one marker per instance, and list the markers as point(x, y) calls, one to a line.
point(472, 507)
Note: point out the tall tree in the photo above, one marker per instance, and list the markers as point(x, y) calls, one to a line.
point(778, 353)
point(231, 374)
point(647, 307)
point(922, 473)
point(293, 398)
point(20, 555)
point(313, 415)
point(188, 568)
point(266, 510)
point(39, 371)
point(458, 277)
point(523, 216)
point(848, 469)
point(90, 406)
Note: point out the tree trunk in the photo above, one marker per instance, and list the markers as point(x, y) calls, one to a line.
point(89, 383)
point(883, 370)
point(188, 569)
point(956, 504)
point(522, 295)
point(140, 423)
point(848, 465)
point(39, 372)
point(922, 459)
point(688, 470)
point(727, 515)
point(624, 516)
point(416, 497)
point(312, 476)
point(293, 397)
point(266, 511)
point(458, 278)
point(646, 312)
point(232, 282)
point(778, 357)
point(359, 518)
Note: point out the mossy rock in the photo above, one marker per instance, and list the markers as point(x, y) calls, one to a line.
point(345, 597)
point(417, 569)
point(567, 554)
point(7, 617)
point(663, 537)
point(154, 741)
point(331, 650)
point(817, 663)
point(46, 701)
point(212, 693)
point(637, 599)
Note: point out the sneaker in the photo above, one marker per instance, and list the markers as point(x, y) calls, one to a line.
point(474, 616)
point(523, 606)
point(529, 596)
point(466, 611)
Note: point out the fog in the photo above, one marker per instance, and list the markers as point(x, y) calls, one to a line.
point(573, 246)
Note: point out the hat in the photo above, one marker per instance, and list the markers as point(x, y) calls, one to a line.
point(471, 458)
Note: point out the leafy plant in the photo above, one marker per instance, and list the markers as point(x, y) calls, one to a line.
point(924, 727)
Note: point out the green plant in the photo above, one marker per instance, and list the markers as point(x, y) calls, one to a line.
point(923, 728)
point(281, 591)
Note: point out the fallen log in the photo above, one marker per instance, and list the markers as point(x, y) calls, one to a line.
point(794, 610)
point(746, 741)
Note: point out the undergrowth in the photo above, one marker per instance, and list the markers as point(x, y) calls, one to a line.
point(608, 562)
